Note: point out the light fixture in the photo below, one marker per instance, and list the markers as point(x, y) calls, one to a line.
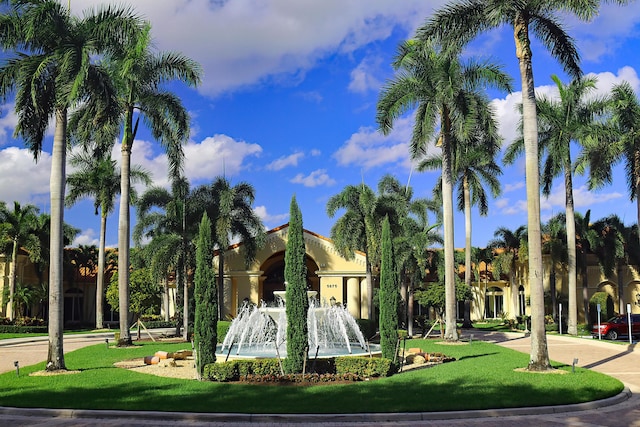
point(637, 302)
point(17, 365)
point(106, 341)
point(332, 301)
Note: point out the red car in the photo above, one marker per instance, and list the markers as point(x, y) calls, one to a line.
point(618, 327)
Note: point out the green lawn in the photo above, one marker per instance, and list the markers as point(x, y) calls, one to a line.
point(483, 377)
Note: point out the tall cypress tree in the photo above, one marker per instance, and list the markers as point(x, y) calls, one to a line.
point(297, 304)
point(389, 296)
point(206, 291)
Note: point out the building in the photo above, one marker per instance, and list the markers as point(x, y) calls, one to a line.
point(338, 280)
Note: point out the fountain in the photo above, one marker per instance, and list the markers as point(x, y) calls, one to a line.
point(261, 331)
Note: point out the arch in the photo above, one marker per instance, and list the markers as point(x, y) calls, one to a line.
point(273, 277)
point(633, 295)
point(521, 301)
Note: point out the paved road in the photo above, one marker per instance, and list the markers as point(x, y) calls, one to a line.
point(618, 360)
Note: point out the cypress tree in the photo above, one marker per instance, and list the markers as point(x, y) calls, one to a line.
point(206, 291)
point(389, 296)
point(297, 304)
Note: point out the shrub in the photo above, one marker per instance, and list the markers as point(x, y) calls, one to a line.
point(365, 367)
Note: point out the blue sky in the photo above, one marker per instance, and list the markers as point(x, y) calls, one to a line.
point(288, 105)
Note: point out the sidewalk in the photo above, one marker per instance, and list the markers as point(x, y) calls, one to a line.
point(615, 359)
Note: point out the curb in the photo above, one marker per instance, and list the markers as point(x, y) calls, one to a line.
point(312, 418)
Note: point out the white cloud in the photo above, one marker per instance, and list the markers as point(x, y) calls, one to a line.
point(363, 77)
point(243, 42)
point(217, 155)
point(86, 237)
point(268, 218)
point(214, 156)
point(315, 152)
point(507, 207)
point(507, 188)
point(283, 162)
point(369, 148)
point(598, 38)
point(314, 179)
point(22, 179)
point(582, 197)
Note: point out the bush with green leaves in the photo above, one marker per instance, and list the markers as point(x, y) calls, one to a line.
point(145, 294)
point(206, 296)
point(297, 305)
point(389, 296)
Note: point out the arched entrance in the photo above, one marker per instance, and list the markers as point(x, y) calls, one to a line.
point(273, 268)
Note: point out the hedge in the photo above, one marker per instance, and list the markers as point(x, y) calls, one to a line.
point(347, 367)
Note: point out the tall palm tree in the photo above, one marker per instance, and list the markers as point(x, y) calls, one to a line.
point(473, 165)
point(172, 228)
point(140, 75)
point(98, 177)
point(623, 144)
point(460, 22)
point(51, 70)
point(510, 248)
point(445, 93)
point(232, 216)
point(572, 118)
point(18, 227)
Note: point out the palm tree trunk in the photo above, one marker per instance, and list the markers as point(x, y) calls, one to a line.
point(539, 357)
point(165, 297)
point(572, 321)
point(410, 307)
point(450, 332)
point(221, 285)
point(468, 273)
point(637, 186)
point(369, 275)
point(55, 356)
point(100, 279)
point(12, 278)
point(124, 225)
point(185, 302)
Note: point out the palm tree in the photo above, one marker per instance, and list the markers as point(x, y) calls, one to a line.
point(473, 165)
point(463, 20)
point(445, 93)
point(571, 118)
point(359, 228)
point(140, 76)
point(98, 177)
point(585, 236)
point(615, 247)
point(510, 247)
point(17, 226)
point(52, 70)
point(232, 216)
point(172, 228)
point(555, 244)
point(623, 144)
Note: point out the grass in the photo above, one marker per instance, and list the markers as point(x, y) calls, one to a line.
point(483, 377)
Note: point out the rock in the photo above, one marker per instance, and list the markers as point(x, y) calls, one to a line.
point(418, 360)
point(151, 360)
point(414, 351)
point(162, 354)
point(180, 355)
point(167, 363)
